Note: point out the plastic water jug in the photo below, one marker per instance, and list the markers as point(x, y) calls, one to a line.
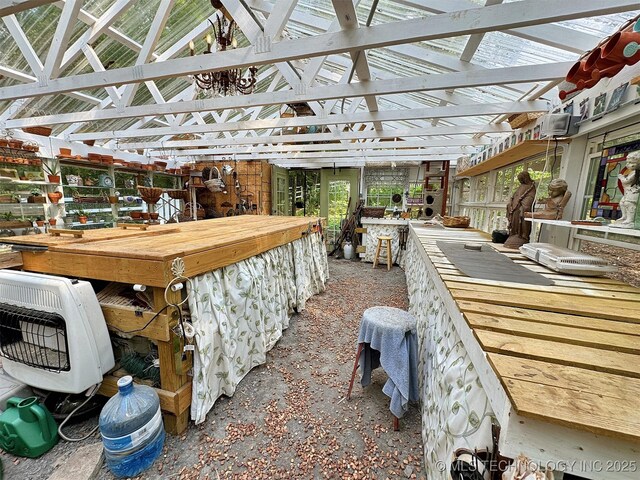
point(348, 251)
point(27, 428)
point(131, 428)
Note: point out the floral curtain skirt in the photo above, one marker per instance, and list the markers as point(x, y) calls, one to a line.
point(240, 311)
point(455, 408)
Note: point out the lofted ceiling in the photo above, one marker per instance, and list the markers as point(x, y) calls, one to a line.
point(402, 80)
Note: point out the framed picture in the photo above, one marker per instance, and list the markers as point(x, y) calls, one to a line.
point(584, 109)
point(500, 147)
point(527, 135)
point(513, 140)
point(536, 132)
point(600, 104)
point(520, 137)
point(616, 97)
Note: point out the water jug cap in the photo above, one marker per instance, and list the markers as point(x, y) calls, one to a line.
point(124, 381)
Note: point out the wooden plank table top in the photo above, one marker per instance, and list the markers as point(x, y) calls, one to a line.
point(567, 354)
point(144, 256)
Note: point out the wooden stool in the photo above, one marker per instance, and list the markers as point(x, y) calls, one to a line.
point(388, 247)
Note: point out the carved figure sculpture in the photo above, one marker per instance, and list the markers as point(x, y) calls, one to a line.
point(521, 201)
point(559, 196)
point(631, 183)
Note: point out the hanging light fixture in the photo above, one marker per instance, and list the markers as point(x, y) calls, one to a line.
point(226, 82)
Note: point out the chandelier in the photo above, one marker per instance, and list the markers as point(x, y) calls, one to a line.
point(226, 82)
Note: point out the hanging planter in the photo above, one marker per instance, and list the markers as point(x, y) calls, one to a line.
point(54, 197)
point(43, 131)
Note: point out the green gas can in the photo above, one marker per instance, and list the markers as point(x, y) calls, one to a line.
point(27, 429)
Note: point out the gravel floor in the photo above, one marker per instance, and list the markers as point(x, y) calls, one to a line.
point(627, 260)
point(288, 418)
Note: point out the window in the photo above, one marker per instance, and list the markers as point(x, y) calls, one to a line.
point(382, 184)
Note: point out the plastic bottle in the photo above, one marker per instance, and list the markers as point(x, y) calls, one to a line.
point(131, 428)
point(348, 251)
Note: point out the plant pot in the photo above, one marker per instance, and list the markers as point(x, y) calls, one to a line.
point(54, 197)
point(65, 152)
point(36, 199)
point(6, 199)
point(15, 143)
point(4, 142)
point(113, 199)
point(91, 143)
point(82, 220)
point(52, 221)
point(44, 131)
point(145, 215)
point(136, 215)
point(54, 178)
point(154, 215)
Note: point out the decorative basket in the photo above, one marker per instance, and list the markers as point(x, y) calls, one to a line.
point(519, 120)
point(150, 194)
point(177, 194)
point(200, 213)
point(373, 212)
point(456, 222)
point(214, 183)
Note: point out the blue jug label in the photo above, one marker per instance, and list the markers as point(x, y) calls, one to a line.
point(127, 442)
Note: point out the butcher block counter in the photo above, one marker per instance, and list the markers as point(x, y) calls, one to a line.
point(133, 254)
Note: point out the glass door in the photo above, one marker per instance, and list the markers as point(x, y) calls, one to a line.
point(339, 195)
point(280, 188)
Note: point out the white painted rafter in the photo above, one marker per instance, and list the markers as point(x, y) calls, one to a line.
point(382, 116)
point(64, 29)
point(11, 7)
point(478, 20)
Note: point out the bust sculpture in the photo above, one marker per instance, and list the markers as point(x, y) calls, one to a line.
point(521, 201)
point(559, 196)
point(630, 182)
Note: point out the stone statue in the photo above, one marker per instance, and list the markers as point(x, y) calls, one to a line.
point(559, 196)
point(631, 183)
point(521, 201)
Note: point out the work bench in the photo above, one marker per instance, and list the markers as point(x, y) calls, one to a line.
point(145, 257)
point(556, 367)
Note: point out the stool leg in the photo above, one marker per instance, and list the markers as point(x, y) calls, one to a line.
point(377, 254)
point(389, 261)
point(355, 368)
point(396, 424)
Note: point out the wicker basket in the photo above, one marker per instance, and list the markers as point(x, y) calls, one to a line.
point(456, 222)
point(150, 194)
point(521, 119)
point(177, 194)
point(373, 212)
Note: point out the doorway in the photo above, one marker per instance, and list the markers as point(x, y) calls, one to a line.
point(338, 197)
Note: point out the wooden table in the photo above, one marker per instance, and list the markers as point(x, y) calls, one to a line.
point(132, 256)
point(560, 364)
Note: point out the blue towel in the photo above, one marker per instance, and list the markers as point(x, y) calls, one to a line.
point(390, 341)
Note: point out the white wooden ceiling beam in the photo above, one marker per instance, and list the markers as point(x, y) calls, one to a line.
point(332, 137)
point(24, 44)
point(96, 64)
point(150, 42)
point(348, 19)
point(349, 161)
point(553, 35)
point(331, 155)
point(61, 37)
point(478, 20)
point(377, 87)
point(11, 7)
point(382, 116)
point(333, 147)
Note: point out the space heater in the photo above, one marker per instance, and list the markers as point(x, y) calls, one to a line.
point(52, 332)
point(558, 125)
point(565, 260)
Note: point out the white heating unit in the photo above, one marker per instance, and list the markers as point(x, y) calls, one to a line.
point(52, 332)
point(565, 260)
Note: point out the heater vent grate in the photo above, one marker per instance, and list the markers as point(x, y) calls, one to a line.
point(34, 338)
point(24, 295)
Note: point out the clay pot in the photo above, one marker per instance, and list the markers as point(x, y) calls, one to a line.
point(82, 219)
point(613, 50)
point(54, 178)
point(136, 215)
point(54, 197)
point(15, 143)
point(65, 152)
point(113, 199)
point(4, 142)
point(91, 143)
point(154, 215)
point(145, 215)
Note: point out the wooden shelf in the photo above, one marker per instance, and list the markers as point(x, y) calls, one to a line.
point(525, 149)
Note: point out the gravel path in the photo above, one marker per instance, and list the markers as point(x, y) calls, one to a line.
point(288, 418)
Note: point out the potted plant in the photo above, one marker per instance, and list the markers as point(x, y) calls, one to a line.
point(6, 196)
point(39, 221)
point(36, 197)
point(51, 168)
point(82, 216)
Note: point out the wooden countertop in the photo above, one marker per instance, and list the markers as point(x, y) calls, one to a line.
point(568, 354)
point(135, 256)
